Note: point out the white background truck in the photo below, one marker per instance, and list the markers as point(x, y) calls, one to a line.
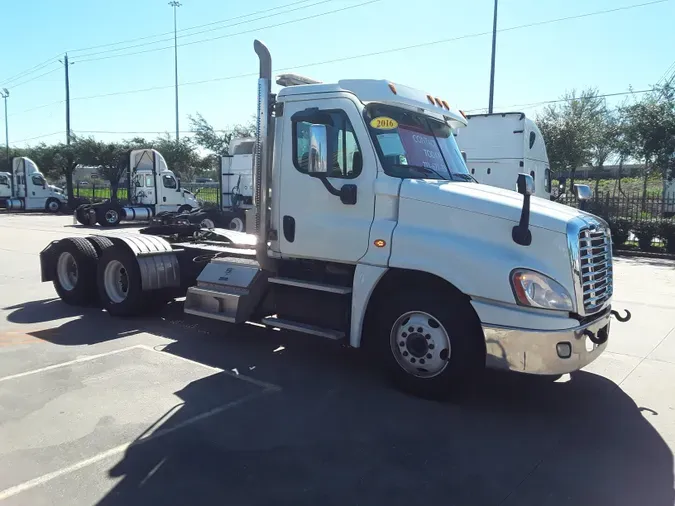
point(500, 146)
point(28, 189)
point(370, 229)
point(152, 189)
point(237, 182)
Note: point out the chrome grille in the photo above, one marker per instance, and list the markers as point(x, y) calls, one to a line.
point(595, 267)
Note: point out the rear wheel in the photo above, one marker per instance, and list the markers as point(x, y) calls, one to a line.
point(75, 271)
point(429, 346)
point(82, 214)
point(108, 216)
point(236, 224)
point(100, 243)
point(53, 205)
point(119, 282)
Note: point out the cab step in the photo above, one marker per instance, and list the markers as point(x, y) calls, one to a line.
point(311, 285)
point(272, 321)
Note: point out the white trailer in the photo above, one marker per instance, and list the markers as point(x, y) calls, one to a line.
point(370, 229)
point(151, 187)
point(26, 189)
point(500, 146)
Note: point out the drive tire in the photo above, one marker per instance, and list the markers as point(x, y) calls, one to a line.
point(119, 283)
point(53, 205)
point(237, 224)
point(437, 316)
point(74, 275)
point(100, 243)
point(108, 215)
point(82, 214)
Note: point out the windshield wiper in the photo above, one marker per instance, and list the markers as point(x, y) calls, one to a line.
point(420, 167)
point(464, 177)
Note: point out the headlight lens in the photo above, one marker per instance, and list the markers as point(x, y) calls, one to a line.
point(536, 290)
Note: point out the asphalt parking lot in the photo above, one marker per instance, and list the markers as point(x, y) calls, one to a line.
point(171, 409)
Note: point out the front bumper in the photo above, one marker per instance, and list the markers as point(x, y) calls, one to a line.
point(537, 351)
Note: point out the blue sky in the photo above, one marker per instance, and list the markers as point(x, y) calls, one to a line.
point(611, 52)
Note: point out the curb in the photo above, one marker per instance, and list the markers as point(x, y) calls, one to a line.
point(643, 254)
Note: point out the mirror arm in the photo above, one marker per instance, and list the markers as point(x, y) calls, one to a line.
point(521, 233)
point(331, 189)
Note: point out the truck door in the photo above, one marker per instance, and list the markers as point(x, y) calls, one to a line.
point(169, 198)
point(313, 222)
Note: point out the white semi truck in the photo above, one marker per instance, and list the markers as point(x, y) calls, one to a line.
point(500, 146)
point(26, 189)
point(151, 188)
point(370, 229)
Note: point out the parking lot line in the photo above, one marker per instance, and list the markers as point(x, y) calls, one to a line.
point(36, 482)
point(85, 358)
point(253, 381)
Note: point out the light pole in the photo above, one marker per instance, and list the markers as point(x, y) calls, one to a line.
point(492, 65)
point(4, 93)
point(175, 4)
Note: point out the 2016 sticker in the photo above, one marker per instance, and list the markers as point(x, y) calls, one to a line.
point(384, 123)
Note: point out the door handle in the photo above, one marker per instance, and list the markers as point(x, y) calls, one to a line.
point(289, 228)
point(164, 198)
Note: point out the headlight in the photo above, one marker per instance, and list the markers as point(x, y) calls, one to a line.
point(536, 290)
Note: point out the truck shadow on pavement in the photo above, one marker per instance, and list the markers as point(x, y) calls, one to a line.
point(335, 434)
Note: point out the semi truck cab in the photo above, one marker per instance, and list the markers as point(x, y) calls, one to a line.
point(29, 189)
point(370, 229)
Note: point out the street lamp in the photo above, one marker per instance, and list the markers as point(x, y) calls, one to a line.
point(175, 4)
point(4, 93)
point(492, 64)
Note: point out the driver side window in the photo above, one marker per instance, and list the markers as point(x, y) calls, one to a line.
point(169, 182)
point(38, 180)
point(4, 181)
point(343, 148)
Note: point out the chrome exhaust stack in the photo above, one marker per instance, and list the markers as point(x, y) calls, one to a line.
point(262, 156)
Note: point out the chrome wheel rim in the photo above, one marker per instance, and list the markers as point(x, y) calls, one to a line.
point(66, 271)
point(236, 224)
point(111, 216)
point(207, 223)
point(420, 344)
point(116, 281)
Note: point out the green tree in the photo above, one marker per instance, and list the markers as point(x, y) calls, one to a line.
point(111, 158)
point(218, 141)
point(181, 157)
point(571, 129)
point(4, 162)
point(57, 160)
point(650, 132)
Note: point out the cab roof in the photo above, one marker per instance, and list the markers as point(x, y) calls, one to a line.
point(379, 91)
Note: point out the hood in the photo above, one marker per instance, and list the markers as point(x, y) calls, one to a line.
point(491, 201)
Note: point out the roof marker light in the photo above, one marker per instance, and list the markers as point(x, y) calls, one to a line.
point(445, 104)
point(392, 88)
point(430, 99)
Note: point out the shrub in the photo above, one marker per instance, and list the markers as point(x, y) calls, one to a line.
point(620, 228)
point(645, 232)
point(667, 233)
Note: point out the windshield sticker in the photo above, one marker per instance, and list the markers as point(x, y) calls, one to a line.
point(422, 149)
point(384, 123)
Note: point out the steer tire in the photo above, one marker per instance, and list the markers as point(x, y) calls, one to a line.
point(79, 290)
point(121, 294)
point(53, 206)
point(457, 319)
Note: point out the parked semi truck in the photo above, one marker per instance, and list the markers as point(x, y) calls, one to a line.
point(26, 189)
point(237, 182)
point(500, 146)
point(151, 188)
point(370, 229)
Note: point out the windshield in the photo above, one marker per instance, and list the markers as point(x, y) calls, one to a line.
point(414, 145)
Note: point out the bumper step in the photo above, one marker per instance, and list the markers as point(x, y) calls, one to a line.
point(271, 321)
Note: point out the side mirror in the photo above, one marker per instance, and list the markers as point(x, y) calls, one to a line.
point(583, 191)
point(525, 184)
point(318, 150)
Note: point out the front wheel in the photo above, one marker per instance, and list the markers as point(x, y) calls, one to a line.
point(236, 224)
point(429, 345)
point(53, 206)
